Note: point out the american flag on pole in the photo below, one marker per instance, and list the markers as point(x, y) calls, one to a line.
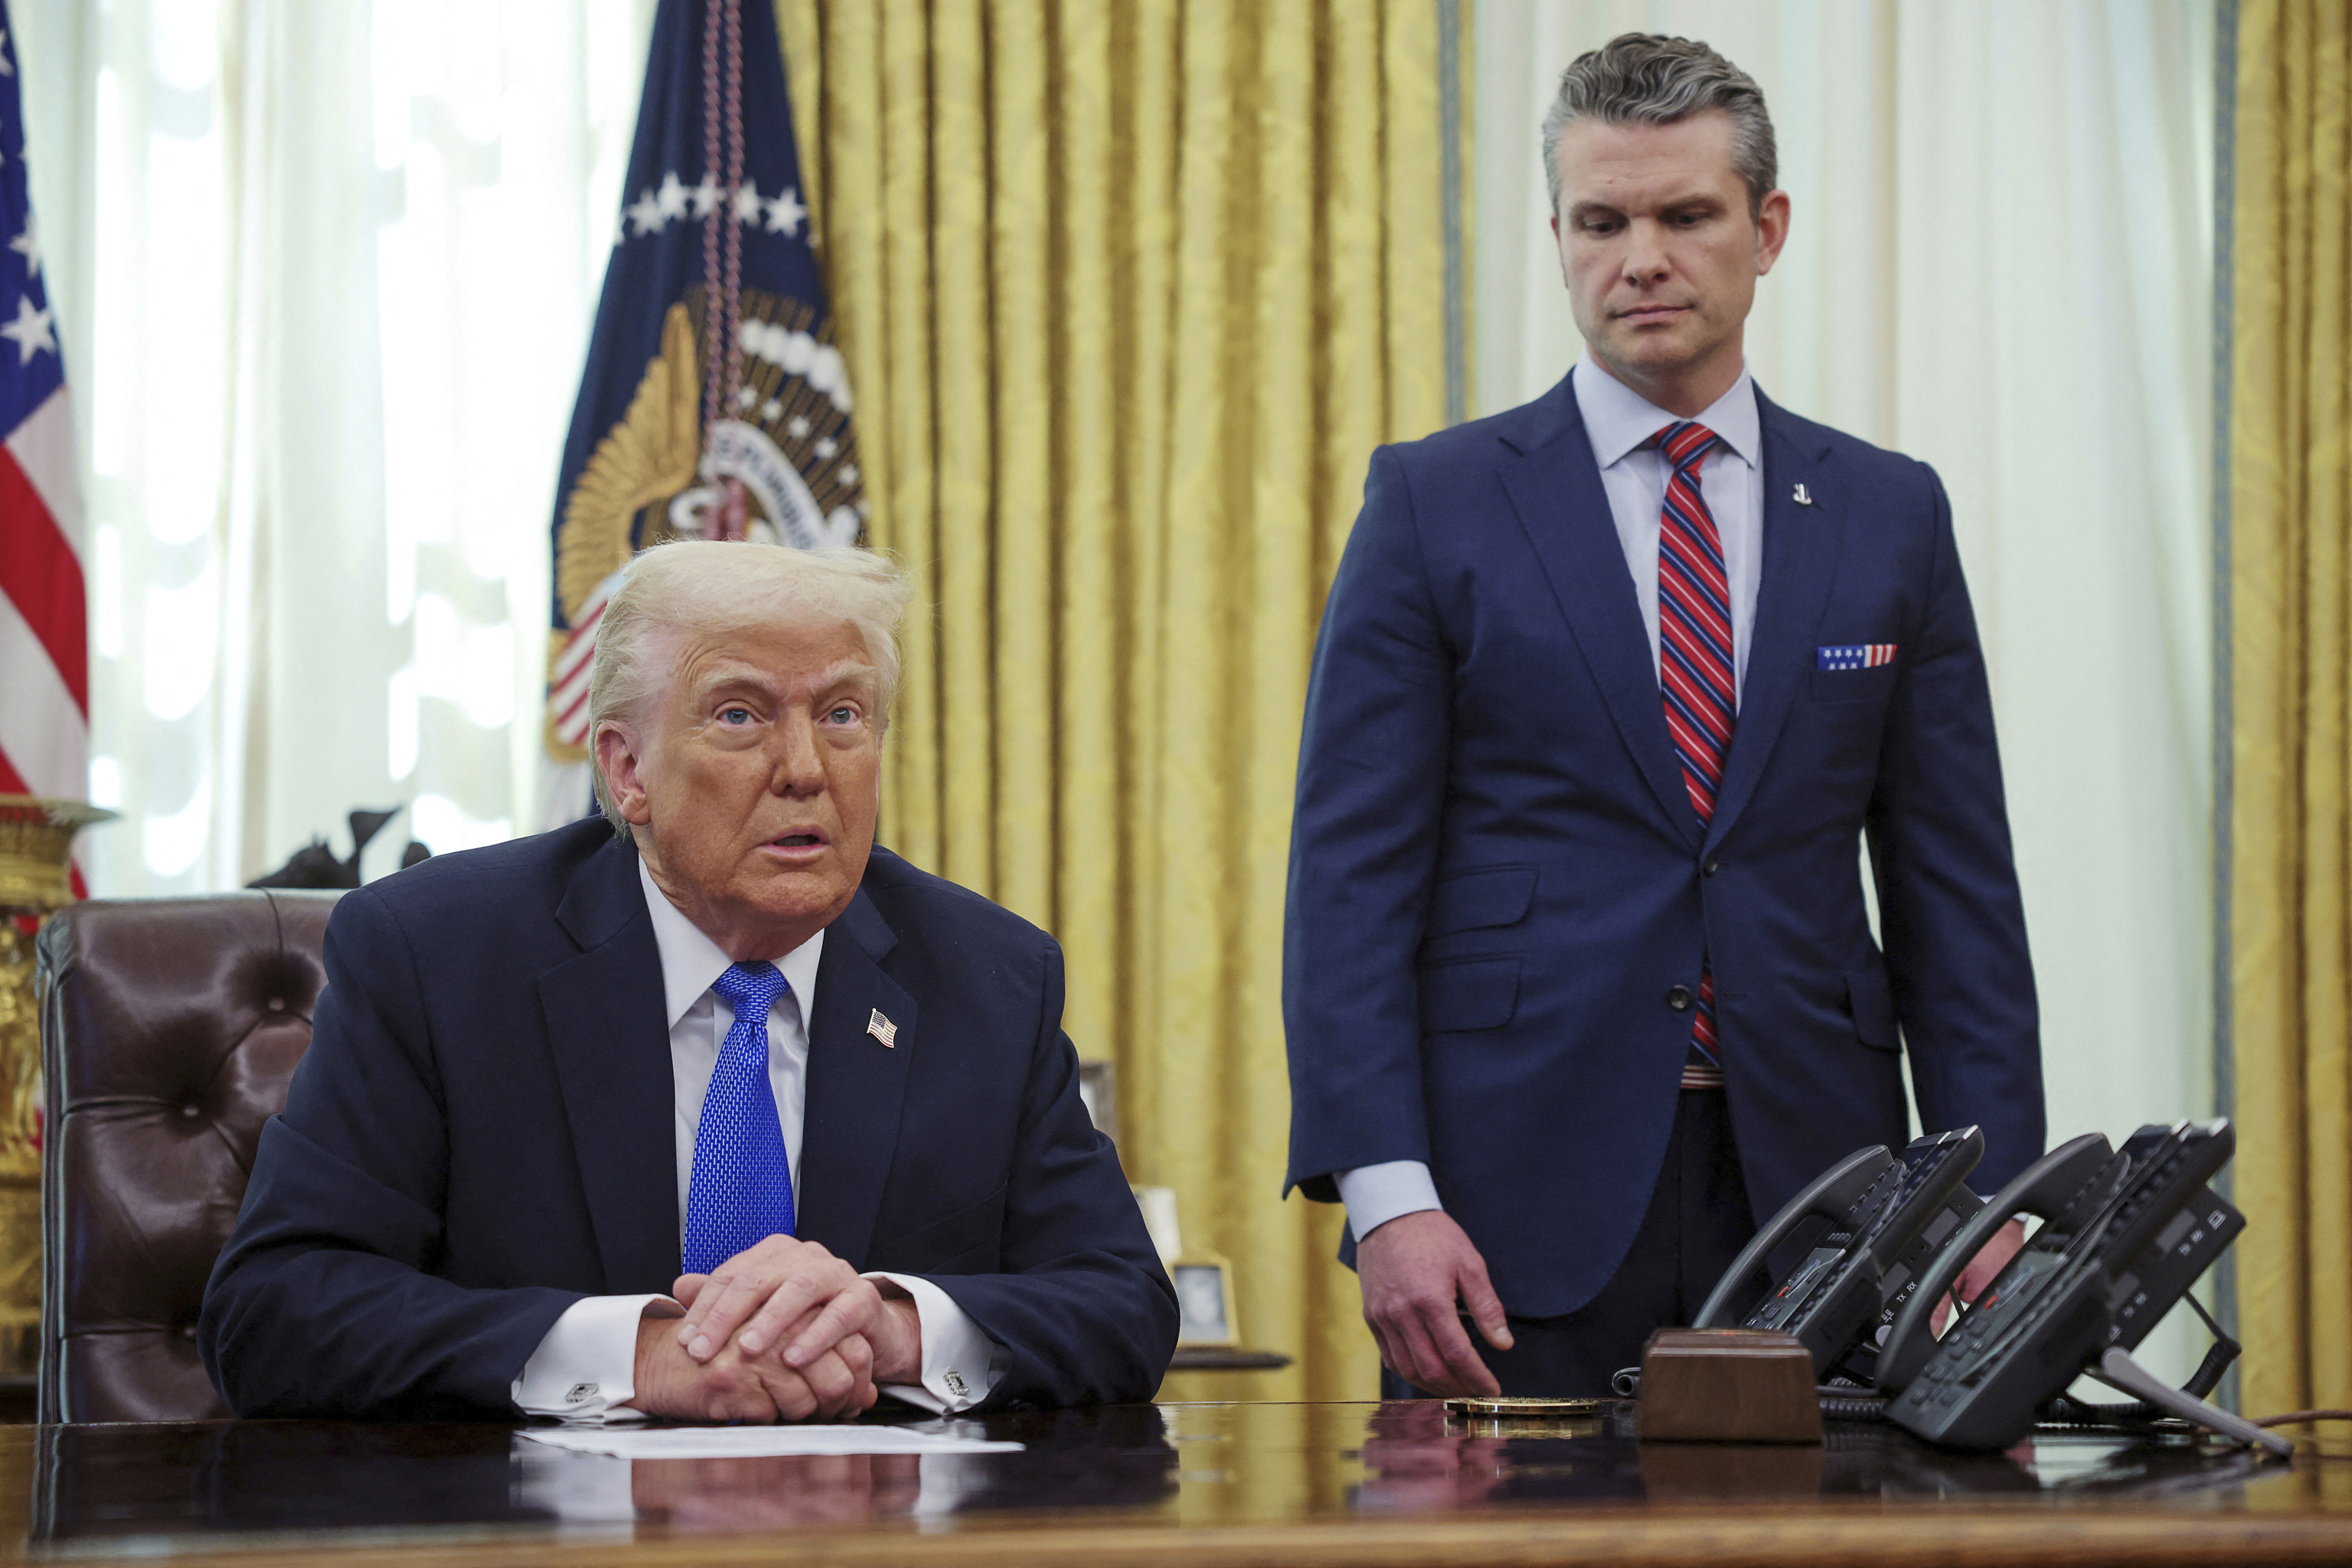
point(44, 644)
point(711, 248)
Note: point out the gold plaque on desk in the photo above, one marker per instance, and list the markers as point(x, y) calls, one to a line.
point(1516, 1404)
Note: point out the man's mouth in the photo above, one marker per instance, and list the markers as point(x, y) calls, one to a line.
point(798, 841)
point(1649, 312)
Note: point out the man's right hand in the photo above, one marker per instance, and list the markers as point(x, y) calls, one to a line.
point(1413, 1269)
point(733, 1386)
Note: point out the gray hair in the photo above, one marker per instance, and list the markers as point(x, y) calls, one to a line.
point(701, 586)
point(1644, 78)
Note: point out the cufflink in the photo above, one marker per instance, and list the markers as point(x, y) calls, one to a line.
point(956, 1385)
point(581, 1393)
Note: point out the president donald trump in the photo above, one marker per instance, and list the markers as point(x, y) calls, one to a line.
point(710, 1109)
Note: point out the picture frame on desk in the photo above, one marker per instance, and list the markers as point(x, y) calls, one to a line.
point(1204, 1302)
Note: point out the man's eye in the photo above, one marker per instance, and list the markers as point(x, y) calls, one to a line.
point(734, 715)
point(843, 716)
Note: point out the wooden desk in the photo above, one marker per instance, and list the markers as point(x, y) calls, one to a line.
point(1200, 1486)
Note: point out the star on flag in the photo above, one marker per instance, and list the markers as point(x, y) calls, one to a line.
point(785, 213)
point(654, 209)
point(29, 331)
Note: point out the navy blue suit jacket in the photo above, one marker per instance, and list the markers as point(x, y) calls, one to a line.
point(1496, 877)
point(481, 1133)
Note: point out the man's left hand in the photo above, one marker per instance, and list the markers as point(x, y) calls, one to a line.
point(756, 1295)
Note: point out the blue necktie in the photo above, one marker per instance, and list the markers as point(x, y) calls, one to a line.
point(741, 1192)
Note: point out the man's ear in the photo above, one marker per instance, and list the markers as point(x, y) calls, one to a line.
point(1771, 230)
point(618, 754)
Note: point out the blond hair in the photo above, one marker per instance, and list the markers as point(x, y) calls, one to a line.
point(696, 587)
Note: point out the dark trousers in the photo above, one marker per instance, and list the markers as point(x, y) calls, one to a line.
point(1697, 1221)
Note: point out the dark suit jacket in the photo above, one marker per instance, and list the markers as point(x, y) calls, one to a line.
point(481, 1133)
point(1497, 878)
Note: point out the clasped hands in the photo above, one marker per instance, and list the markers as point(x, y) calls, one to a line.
point(781, 1332)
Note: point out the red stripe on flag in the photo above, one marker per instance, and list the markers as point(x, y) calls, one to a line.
point(41, 576)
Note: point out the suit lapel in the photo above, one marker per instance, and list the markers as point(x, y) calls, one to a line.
point(1800, 554)
point(1555, 488)
point(855, 1083)
point(610, 1040)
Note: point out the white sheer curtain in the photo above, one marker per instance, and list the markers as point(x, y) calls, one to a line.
point(2000, 263)
point(326, 271)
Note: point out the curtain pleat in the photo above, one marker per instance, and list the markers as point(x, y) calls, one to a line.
point(2290, 479)
point(1129, 293)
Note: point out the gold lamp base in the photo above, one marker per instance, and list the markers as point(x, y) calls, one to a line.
point(36, 843)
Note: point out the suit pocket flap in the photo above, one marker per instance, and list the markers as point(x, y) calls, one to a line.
point(1479, 993)
point(1853, 685)
point(1872, 1003)
point(1491, 896)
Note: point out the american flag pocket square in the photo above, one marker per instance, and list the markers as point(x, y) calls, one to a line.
point(1856, 655)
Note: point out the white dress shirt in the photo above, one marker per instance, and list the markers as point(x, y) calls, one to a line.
point(1620, 422)
point(585, 1367)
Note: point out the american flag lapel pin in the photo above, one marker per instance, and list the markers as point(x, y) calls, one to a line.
point(883, 1029)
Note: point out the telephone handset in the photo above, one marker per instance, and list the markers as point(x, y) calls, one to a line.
point(1885, 1219)
point(2124, 1235)
point(2043, 1189)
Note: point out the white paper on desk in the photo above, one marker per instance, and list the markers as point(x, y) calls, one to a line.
point(754, 1442)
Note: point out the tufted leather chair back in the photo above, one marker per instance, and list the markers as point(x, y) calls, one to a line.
point(169, 1030)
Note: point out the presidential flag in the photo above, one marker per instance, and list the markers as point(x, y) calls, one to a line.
point(44, 646)
point(714, 403)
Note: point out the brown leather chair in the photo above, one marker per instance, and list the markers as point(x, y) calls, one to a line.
point(169, 1030)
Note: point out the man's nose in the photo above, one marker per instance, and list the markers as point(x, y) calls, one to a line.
point(1645, 252)
point(795, 766)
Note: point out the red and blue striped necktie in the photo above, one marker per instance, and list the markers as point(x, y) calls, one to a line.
point(1695, 666)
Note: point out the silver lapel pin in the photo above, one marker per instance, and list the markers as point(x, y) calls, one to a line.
point(1803, 499)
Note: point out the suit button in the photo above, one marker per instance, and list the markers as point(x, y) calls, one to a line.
point(1712, 866)
point(1679, 998)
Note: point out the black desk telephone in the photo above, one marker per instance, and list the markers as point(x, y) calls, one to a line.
point(2122, 1237)
point(1879, 1221)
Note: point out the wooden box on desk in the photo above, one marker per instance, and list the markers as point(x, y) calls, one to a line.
point(1728, 1385)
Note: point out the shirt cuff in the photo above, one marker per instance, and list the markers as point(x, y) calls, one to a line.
point(586, 1368)
point(960, 1364)
point(1376, 1194)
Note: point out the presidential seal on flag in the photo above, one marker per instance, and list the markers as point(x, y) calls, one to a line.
point(788, 445)
point(715, 404)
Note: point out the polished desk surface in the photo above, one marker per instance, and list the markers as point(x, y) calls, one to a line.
point(1201, 1485)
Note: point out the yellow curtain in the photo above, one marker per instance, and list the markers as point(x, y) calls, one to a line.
point(2289, 488)
point(1129, 293)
